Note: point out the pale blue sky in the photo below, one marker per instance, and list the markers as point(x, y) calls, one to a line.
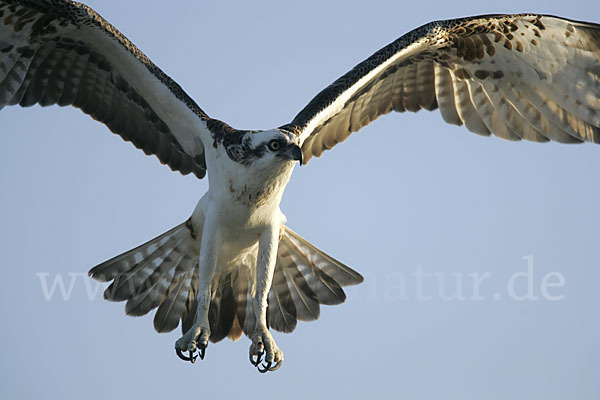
point(408, 195)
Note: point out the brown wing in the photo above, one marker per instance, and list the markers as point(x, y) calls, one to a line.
point(62, 52)
point(518, 77)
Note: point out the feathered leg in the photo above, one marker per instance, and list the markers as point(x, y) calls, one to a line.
point(196, 338)
point(262, 341)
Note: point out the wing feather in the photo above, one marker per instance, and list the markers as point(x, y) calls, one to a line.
point(556, 115)
point(525, 76)
point(397, 90)
point(426, 85)
point(511, 116)
point(65, 53)
point(409, 99)
point(465, 108)
point(487, 113)
point(444, 92)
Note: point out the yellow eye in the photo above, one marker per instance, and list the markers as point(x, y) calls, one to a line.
point(274, 145)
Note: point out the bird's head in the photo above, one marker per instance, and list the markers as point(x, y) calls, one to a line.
point(267, 147)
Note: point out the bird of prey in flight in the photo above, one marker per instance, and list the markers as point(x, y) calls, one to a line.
point(235, 267)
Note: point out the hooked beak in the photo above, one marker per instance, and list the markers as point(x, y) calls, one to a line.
point(295, 153)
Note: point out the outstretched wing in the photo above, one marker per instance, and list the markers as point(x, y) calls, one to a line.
point(518, 77)
point(62, 52)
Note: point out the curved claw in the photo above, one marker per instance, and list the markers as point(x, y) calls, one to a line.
point(258, 358)
point(200, 347)
point(276, 366)
point(201, 352)
point(266, 367)
point(191, 358)
point(251, 360)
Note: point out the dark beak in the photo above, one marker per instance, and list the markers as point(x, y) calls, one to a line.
point(295, 153)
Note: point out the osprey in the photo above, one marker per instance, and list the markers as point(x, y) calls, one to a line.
point(234, 267)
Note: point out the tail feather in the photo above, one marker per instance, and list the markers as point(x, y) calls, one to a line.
point(236, 329)
point(153, 290)
point(305, 300)
point(134, 281)
point(191, 305)
point(281, 312)
point(163, 274)
point(342, 274)
point(244, 313)
point(108, 270)
point(304, 278)
point(143, 303)
point(327, 290)
point(222, 310)
point(171, 309)
point(310, 262)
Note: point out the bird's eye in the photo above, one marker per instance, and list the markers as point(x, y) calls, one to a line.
point(274, 145)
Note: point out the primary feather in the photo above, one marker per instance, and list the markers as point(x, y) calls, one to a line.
point(526, 76)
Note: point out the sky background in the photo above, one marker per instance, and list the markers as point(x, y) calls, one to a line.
point(407, 195)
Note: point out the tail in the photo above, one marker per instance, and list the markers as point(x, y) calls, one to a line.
point(163, 274)
point(158, 273)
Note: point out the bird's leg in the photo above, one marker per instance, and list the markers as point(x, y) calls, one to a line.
point(196, 338)
point(263, 343)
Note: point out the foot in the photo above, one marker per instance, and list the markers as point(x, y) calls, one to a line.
point(195, 339)
point(263, 344)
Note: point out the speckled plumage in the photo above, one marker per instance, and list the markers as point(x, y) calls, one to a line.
point(234, 267)
point(52, 45)
point(459, 66)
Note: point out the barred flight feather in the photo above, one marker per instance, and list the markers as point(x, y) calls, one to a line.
point(548, 73)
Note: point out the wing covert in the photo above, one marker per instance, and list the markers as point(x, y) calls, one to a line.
point(64, 53)
point(524, 76)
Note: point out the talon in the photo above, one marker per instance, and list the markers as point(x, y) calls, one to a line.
point(276, 366)
point(201, 351)
point(266, 367)
point(258, 358)
point(191, 358)
point(251, 360)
